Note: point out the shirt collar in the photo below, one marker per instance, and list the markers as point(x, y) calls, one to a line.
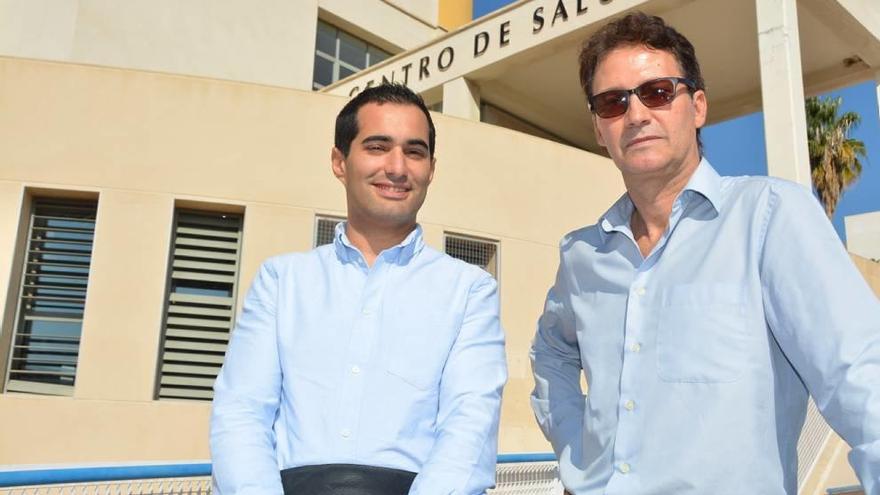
point(401, 253)
point(616, 219)
point(705, 181)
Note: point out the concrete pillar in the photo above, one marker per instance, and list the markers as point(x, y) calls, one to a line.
point(461, 98)
point(782, 91)
point(877, 83)
point(119, 348)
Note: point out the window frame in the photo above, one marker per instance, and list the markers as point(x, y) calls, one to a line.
point(336, 59)
point(24, 249)
point(192, 305)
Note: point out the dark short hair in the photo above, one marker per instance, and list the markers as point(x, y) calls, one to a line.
point(347, 124)
point(636, 29)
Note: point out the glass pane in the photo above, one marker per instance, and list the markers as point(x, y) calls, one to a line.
point(46, 341)
point(83, 247)
point(326, 41)
point(323, 74)
point(200, 310)
point(72, 283)
point(49, 329)
point(199, 288)
point(376, 55)
point(352, 50)
point(345, 72)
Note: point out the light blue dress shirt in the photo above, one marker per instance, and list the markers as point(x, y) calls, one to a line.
point(398, 365)
point(699, 357)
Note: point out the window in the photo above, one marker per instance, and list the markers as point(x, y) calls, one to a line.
point(339, 55)
point(52, 296)
point(475, 251)
point(201, 302)
point(325, 229)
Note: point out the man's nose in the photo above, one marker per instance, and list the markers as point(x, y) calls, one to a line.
point(637, 113)
point(395, 165)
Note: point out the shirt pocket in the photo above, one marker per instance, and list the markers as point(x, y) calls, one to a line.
point(702, 336)
point(416, 357)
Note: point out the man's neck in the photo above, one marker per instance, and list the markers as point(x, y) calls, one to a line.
point(371, 240)
point(653, 198)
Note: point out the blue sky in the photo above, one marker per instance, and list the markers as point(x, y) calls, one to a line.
point(736, 147)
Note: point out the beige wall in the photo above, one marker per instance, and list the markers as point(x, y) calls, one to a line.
point(832, 469)
point(125, 269)
point(863, 234)
point(12, 204)
point(50, 430)
point(144, 142)
point(870, 269)
point(269, 43)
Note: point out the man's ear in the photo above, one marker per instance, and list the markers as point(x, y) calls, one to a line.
point(337, 163)
point(701, 108)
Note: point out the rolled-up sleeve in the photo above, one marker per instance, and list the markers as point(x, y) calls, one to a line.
point(462, 461)
point(246, 398)
point(826, 320)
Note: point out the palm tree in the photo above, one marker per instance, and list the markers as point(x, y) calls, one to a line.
point(834, 156)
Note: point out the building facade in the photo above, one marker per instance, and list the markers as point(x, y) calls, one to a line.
point(863, 235)
point(154, 153)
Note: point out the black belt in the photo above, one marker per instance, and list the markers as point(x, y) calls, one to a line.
point(345, 479)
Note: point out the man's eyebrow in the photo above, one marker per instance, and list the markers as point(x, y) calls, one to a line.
point(380, 138)
point(377, 138)
point(417, 142)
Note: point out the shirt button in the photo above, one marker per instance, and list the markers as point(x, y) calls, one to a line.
point(640, 291)
point(345, 433)
point(636, 347)
point(355, 369)
point(629, 405)
point(623, 468)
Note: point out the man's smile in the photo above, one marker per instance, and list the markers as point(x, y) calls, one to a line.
point(392, 191)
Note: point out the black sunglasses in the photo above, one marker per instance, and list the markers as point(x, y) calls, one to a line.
point(654, 93)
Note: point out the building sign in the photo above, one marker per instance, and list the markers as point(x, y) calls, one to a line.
point(478, 42)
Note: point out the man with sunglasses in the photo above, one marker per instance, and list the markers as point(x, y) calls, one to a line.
point(702, 309)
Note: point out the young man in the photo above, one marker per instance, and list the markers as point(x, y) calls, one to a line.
point(703, 309)
point(372, 365)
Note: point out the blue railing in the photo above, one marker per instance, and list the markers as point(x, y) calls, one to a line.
point(526, 457)
point(30, 477)
point(27, 477)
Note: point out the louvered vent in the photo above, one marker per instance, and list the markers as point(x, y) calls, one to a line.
point(52, 297)
point(325, 229)
point(201, 302)
point(478, 252)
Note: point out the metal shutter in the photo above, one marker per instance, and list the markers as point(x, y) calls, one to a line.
point(45, 344)
point(201, 302)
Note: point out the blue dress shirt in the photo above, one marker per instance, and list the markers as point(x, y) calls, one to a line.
point(397, 365)
point(699, 357)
